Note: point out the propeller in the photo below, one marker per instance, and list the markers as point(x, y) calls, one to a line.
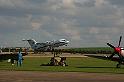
point(110, 45)
point(116, 49)
point(119, 41)
point(111, 55)
point(113, 52)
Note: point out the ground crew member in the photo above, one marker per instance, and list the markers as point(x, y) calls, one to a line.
point(20, 58)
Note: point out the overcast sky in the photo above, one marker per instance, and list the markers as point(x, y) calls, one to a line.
point(85, 23)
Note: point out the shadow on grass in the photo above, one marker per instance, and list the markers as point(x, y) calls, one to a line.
point(50, 65)
point(46, 65)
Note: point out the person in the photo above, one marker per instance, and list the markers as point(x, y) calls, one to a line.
point(20, 58)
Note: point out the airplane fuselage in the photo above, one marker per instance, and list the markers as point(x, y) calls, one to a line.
point(122, 52)
point(46, 45)
point(119, 50)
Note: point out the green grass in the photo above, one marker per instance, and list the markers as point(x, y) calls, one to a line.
point(91, 50)
point(75, 65)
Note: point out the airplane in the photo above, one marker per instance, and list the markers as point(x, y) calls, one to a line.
point(48, 45)
point(117, 55)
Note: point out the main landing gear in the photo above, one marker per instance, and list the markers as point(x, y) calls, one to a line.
point(118, 65)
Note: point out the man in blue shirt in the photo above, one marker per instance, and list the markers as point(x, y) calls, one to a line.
point(20, 58)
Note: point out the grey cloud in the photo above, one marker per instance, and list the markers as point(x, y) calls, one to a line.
point(119, 3)
point(22, 7)
point(81, 21)
point(97, 17)
point(13, 25)
point(87, 3)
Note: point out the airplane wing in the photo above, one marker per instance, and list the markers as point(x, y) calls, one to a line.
point(98, 57)
point(42, 44)
point(114, 58)
point(5, 56)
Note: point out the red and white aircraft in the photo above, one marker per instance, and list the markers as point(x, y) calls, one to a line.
point(117, 55)
point(119, 51)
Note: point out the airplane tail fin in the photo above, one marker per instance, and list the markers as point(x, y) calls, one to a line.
point(32, 42)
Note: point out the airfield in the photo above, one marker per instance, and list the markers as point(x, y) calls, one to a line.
point(80, 68)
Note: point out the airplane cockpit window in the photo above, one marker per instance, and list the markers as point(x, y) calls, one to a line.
point(63, 40)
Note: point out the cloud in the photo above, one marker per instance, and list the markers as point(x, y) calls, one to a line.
point(70, 32)
point(83, 22)
point(36, 25)
point(13, 24)
point(119, 3)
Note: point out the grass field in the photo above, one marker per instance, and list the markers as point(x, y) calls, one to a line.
point(75, 65)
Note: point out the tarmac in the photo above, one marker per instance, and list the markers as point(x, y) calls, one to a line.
point(36, 76)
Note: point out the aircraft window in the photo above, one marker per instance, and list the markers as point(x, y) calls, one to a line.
point(63, 40)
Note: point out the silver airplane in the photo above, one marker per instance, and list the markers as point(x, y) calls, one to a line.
point(48, 45)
